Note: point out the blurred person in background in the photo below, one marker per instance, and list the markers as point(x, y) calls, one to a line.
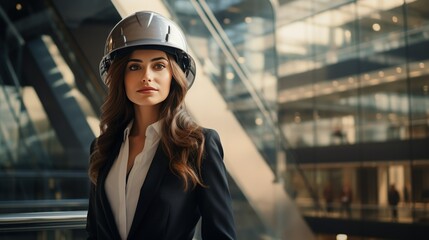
point(393, 199)
point(346, 200)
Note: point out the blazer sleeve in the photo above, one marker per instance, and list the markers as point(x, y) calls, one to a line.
point(91, 225)
point(217, 221)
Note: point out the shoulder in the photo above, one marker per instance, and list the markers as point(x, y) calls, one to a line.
point(210, 133)
point(211, 138)
point(212, 144)
point(212, 165)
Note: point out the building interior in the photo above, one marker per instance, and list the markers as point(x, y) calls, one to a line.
point(322, 106)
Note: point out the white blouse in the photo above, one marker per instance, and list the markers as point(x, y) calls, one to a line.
point(121, 193)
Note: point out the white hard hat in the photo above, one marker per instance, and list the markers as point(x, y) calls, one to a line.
point(150, 30)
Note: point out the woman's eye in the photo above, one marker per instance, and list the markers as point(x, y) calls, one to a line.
point(159, 66)
point(134, 67)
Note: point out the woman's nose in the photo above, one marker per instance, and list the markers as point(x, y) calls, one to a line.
point(145, 77)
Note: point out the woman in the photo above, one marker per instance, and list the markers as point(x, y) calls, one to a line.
point(154, 171)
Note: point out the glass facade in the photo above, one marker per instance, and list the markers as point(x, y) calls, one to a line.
point(334, 95)
point(353, 102)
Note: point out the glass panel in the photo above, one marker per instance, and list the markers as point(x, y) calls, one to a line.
point(316, 75)
point(383, 74)
point(353, 103)
point(42, 158)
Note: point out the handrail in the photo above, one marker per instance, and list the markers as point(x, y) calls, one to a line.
point(45, 173)
point(36, 221)
point(46, 203)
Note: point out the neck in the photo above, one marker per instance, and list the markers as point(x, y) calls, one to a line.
point(143, 117)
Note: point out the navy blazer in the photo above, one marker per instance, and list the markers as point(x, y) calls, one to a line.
point(164, 210)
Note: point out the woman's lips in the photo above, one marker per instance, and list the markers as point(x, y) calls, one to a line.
point(147, 90)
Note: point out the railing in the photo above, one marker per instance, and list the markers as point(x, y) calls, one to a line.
point(407, 212)
point(42, 221)
point(55, 220)
point(46, 204)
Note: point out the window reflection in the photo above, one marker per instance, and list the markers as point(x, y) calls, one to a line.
point(353, 99)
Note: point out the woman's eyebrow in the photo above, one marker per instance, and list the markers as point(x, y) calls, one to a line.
point(152, 60)
point(158, 58)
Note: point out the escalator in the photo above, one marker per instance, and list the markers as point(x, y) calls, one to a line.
point(47, 122)
point(60, 103)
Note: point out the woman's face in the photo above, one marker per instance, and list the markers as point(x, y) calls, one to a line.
point(147, 77)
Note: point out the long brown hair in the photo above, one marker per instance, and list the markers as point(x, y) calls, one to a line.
point(182, 138)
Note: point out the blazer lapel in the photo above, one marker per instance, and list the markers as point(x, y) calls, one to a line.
point(103, 197)
point(150, 186)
